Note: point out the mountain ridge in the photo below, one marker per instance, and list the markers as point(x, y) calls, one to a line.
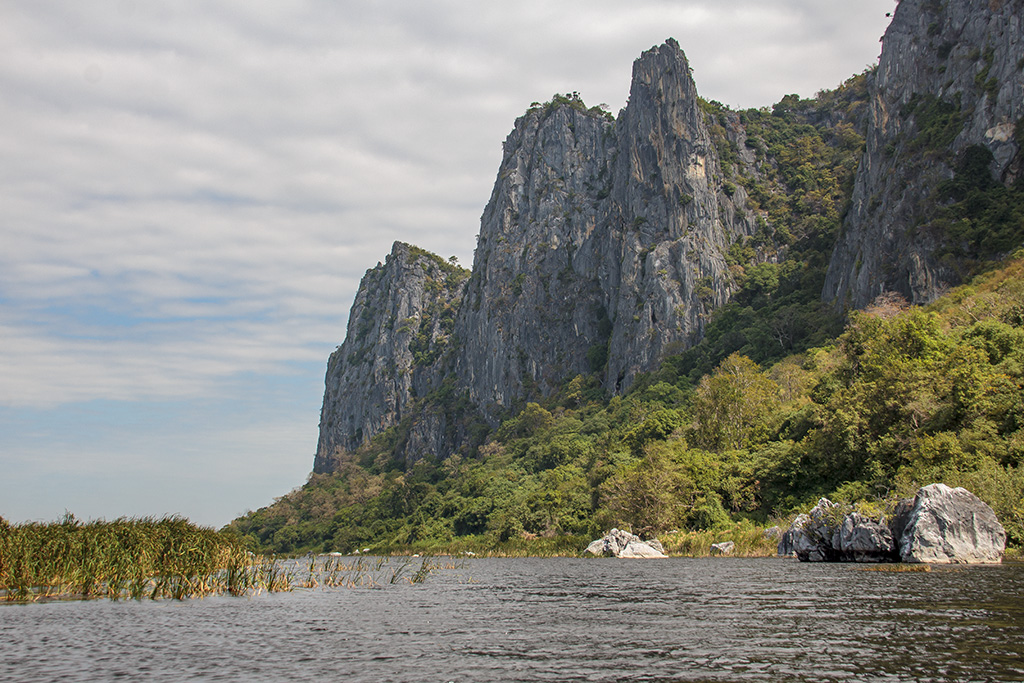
point(610, 245)
point(673, 322)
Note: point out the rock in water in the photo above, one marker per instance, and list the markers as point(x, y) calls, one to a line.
point(723, 548)
point(864, 540)
point(948, 525)
point(786, 548)
point(940, 525)
point(813, 533)
point(826, 536)
point(617, 543)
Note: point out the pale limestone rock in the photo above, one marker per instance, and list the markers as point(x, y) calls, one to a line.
point(950, 51)
point(951, 526)
point(619, 543)
point(865, 540)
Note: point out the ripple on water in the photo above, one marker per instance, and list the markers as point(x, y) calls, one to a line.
point(719, 619)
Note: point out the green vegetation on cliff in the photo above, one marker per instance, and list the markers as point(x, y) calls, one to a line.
point(781, 402)
point(902, 398)
point(805, 158)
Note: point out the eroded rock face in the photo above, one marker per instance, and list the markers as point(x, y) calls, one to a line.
point(865, 540)
point(619, 543)
point(601, 249)
point(603, 241)
point(948, 525)
point(787, 540)
point(603, 246)
point(939, 525)
point(813, 533)
point(395, 350)
point(949, 77)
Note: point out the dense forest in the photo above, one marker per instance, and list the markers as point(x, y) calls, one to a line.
point(785, 399)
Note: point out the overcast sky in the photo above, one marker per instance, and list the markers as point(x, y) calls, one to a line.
point(191, 190)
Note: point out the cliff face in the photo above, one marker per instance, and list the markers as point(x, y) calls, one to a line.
point(396, 347)
point(603, 247)
point(602, 244)
point(669, 223)
point(950, 77)
point(600, 249)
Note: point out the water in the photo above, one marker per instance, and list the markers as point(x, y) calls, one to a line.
point(680, 619)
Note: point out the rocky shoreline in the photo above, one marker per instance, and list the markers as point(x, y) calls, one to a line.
point(940, 525)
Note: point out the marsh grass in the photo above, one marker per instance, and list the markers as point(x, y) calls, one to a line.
point(369, 572)
point(749, 540)
point(128, 558)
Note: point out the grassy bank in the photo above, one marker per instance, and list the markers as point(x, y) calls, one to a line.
point(127, 558)
point(749, 540)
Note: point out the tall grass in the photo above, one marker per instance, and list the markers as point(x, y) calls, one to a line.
point(133, 558)
point(369, 572)
point(170, 558)
point(749, 540)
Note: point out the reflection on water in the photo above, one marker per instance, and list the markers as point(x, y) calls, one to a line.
point(553, 620)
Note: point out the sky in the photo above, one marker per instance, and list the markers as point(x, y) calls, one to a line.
point(190, 192)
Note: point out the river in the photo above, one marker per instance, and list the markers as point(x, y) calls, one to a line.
point(553, 619)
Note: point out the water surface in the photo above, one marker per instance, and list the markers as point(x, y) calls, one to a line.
point(718, 619)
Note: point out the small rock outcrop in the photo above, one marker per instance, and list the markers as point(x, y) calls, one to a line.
point(948, 525)
point(864, 540)
point(618, 543)
point(939, 525)
point(723, 548)
point(813, 533)
point(786, 542)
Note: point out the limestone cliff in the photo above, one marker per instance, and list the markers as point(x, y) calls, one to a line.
point(602, 244)
point(950, 77)
point(608, 242)
point(601, 250)
point(397, 343)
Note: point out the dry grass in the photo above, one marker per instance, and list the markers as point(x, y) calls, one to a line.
point(897, 568)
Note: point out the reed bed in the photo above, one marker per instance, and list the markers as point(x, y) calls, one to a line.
point(172, 558)
point(128, 558)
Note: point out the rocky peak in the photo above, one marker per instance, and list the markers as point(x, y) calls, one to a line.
point(397, 342)
point(950, 78)
point(602, 243)
point(529, 315)
point(666, 265)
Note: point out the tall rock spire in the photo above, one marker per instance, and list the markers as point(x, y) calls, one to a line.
point(600, 251)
